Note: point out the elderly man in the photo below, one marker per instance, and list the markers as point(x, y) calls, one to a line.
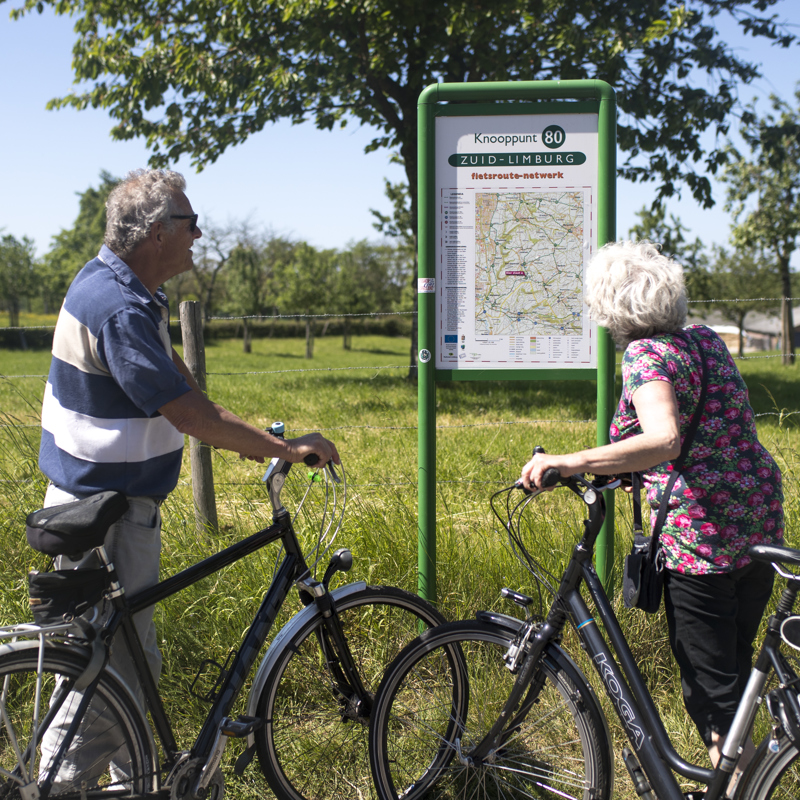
point(119, 399)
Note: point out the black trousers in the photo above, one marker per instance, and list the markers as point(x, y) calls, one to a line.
point(713, 620)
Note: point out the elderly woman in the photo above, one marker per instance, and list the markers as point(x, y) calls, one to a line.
point(728, 495)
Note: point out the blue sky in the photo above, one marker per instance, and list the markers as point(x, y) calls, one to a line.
point(294, 180)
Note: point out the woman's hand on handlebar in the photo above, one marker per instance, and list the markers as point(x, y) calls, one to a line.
point(533, 471)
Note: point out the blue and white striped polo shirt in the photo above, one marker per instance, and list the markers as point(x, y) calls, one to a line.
point(111, 371)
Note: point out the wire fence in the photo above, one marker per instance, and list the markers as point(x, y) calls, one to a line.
point(404, 367)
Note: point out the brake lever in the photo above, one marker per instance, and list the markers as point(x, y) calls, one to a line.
point(333, 473)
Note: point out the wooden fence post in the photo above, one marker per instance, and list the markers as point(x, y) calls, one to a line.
point(194, 354)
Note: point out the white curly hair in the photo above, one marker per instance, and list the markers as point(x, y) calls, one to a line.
point(635, 291)
point(143, 197)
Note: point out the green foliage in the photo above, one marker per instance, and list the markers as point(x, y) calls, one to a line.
point(196, 78)
point(253, 275)
point(401, 224)
point(763, 192)
point(73, 247)
point(17, 274)
point(369, 278)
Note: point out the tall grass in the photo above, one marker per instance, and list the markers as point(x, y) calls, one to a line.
point(372, 415)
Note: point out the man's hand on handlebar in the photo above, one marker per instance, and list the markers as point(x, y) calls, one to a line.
point(313, 448)
point(303, 448)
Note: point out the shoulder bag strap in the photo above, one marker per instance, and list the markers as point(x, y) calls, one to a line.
point(636, 494)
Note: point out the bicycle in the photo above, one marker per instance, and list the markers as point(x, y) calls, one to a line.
point(309, 705)
point(496, 708)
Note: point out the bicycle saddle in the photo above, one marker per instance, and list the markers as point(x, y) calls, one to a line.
point(75, 527)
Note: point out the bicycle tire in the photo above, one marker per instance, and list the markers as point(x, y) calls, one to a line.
point(443, 693)
point(772, 774)
point(124, 734)
point(310, 745)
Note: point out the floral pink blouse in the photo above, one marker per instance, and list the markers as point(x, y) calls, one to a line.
point(729, 495)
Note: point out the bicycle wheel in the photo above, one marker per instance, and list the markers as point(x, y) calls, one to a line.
point(444, 692)
point(772, 774)
point(112, 755)
point(313, 743)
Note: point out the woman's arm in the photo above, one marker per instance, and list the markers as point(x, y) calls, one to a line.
point(657, 410)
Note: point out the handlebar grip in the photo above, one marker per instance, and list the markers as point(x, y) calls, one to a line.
point(538, 449)
point(550, 478)
point(311, 460)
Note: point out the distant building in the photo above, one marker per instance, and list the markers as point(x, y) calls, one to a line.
point(761, 331)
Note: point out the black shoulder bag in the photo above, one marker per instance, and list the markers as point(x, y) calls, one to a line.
point(643, 574)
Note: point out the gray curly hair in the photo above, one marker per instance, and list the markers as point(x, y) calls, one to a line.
point(143, 197)
point(635, 291)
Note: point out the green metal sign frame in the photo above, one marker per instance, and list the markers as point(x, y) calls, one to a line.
point(492, 99)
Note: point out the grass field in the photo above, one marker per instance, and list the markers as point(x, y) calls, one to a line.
point(485, 433)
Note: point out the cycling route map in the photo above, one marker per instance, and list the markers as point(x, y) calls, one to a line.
point(529, 263)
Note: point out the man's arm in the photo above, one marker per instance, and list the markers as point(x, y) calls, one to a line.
point(194, 414)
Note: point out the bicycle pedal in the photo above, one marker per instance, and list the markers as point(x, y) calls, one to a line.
point(241, 726)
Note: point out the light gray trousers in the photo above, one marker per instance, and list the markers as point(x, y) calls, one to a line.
point(134, 546)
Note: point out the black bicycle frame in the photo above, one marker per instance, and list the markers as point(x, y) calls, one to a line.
point(622, 680)
point(292, 568)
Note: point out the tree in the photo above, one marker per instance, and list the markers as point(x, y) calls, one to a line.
point(252, 276)
point(734, 277)
point(212, 253)
point(17, 276)
point(73, 247)
point(763, 192)
point(369, 278)
point(195, 78)
point(307, 287)
point(402, 227)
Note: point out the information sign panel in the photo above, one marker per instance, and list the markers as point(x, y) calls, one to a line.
point(516, 193)
point(516, 219)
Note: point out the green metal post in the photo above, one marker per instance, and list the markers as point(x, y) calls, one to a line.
point(426, 388)
point(606, 352)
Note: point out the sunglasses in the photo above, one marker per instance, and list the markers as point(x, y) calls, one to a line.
point(192, 217)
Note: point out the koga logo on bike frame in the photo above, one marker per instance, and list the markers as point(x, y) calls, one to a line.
point(626, 713)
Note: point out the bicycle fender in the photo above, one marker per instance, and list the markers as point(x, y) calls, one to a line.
point(509, 624)
point(301, 618)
